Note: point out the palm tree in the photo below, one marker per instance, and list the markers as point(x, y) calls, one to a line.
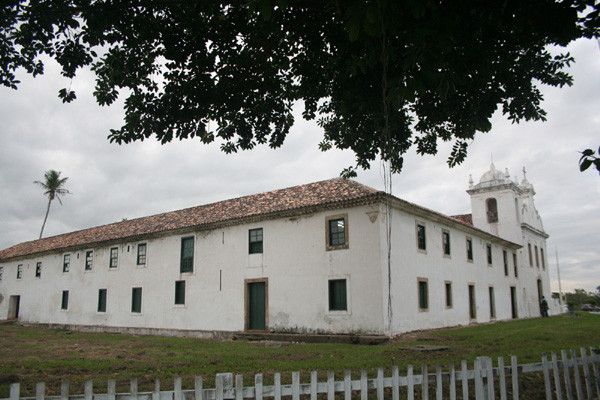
point(53, 186)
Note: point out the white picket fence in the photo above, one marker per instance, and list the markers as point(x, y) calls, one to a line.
point(570, 377)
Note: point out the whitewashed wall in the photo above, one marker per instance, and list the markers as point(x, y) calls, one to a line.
point(297, 266)
point(294, 261)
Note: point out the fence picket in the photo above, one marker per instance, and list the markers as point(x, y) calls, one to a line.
point(586, 373)
point(313, 385)
point(330, 385)
point(465, 380)
point(364, 390)
point(567, 375)
point(556, 373)
point(198, 393)
point(477, 370)
point(489, 378)
point(438, 382)
point(395, 383)
point(347, 385)
point(15, 391)
point(277, 382)
point(40, 391)
point(452, 386)
point(296, 385)
point(88, 390)
point(111, 389)
point(578, 387)
point(515, 377)
point(595, 358)
point(239, 387)
point(379, 383)
point(64, 390)
point(425, 384)
point(410, 383)
point(258, 386)
point(177, 394)
point(219, 387)
point(133, 389)
point(547, 383)
point(502, 378)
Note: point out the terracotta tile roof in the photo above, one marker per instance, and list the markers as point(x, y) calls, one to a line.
point(314, 194)
point(464, 218)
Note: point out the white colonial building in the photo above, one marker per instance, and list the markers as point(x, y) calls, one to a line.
point(311, 258)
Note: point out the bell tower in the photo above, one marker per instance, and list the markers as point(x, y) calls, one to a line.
point(503, 207)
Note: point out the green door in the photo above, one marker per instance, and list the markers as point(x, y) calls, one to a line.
point(257, 306)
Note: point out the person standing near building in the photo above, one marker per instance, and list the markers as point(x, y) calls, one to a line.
point(544, 307)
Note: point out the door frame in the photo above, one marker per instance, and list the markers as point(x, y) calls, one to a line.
point(513, 302)
point(247, 282)
point(14, 305)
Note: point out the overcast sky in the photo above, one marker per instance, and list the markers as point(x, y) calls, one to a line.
point(110, 182)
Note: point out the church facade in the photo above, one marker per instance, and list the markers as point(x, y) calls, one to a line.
point(328, 257)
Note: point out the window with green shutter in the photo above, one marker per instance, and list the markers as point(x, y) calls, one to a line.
point(187, 254)
point(64, 304)
point(66, 262)
point(89, 260)
point(423, 295)
point(421, 239)
point(141, 254)
point(179, 292)
point(337, 295)
point(102, 300)
point(255, 241)
point(114, 257)
point(136, 300)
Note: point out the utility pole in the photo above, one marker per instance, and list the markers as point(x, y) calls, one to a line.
point(559, 286)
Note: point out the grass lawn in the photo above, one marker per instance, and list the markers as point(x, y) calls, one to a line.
point(32, 354)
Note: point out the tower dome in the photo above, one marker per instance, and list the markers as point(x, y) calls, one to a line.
point(493, 177)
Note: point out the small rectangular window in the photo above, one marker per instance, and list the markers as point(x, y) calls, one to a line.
point(421, 239)
point(179, 292)
point(515, 265)
point(492, 303)
point(537, 257)
point(19, 271)
point(472, 302)
point(38, 269)
point(505, 259)
point(469, 250)
point(114, 257)
point(337, 232)
point(542, 256)
point(187, 255)
point(136, 300)
point(448, 294)
point(1, 272)
point(141, 254)
point(64, 304)
point(89, 260)
point(337, 295)
point(66, 262)
point(255, 241)
point(489, 254)
point(530, 255)
point(446, 242)
point(102, 300)
point(423, 294)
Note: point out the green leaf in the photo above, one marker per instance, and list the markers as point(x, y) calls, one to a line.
point(585, 164)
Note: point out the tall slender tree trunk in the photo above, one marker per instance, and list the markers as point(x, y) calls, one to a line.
point(46, 217)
